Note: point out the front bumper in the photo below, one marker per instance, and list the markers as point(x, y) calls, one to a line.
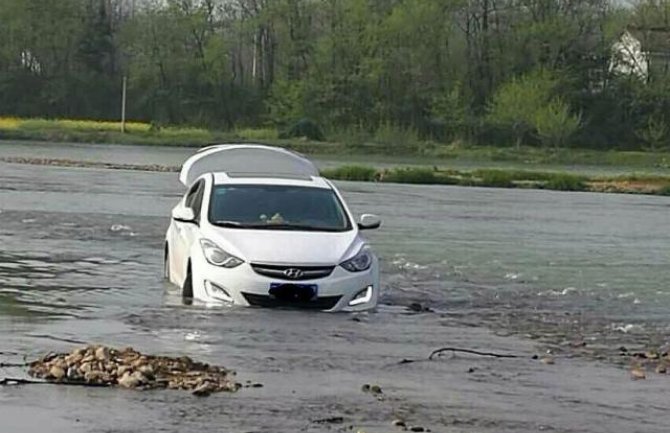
point(245, 287)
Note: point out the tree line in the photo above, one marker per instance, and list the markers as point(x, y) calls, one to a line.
point(499, 72)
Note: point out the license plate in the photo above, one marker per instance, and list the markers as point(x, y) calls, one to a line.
point(294, 292)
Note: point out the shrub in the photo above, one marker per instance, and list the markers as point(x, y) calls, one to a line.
point(566, 182)
point(664, 190)
point(418, 175)
point(304, 128)
point(494, 178)
point(351, 172)
point(257, 134)
point(396, 137)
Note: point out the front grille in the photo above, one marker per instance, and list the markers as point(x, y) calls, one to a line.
point(324, 303)
point(293, 273)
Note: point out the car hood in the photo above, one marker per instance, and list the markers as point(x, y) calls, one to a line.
point(287, 247)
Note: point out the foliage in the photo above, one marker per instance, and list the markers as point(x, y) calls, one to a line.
point(304, 128)
point(418, 175)
point(566, 182)
point(554, 123)
point(351, 172)
point(518, 103)
point(259, 134)
point(392, 74)
point(654, 133)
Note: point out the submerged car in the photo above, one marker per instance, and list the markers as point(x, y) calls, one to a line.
point(259, 226)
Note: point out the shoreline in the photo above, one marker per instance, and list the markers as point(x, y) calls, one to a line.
point(423, 175)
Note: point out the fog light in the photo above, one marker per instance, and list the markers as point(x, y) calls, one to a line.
point(217, 292)
point(362, 297)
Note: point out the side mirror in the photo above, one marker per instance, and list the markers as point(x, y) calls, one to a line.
point(369, 222)
point(183, 214)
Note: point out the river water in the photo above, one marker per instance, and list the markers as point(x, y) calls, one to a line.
point(512, 271)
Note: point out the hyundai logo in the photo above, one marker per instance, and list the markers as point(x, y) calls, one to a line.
point(293, 273)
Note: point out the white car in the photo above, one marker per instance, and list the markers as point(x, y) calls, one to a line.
point(258, 226)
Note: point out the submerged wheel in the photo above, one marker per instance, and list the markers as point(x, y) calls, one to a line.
point(187, 289)
point(166, 266)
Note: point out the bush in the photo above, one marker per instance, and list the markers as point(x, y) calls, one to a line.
point(304, 128)
point(351, 172)
point(494, 178)
point(566, 182)
point(257, 134)
point(664, 191)
point(418, 175)
point(397, 137)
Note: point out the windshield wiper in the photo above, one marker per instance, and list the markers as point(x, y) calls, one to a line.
point(229, 224)
point(286, 226)
point(274, 226)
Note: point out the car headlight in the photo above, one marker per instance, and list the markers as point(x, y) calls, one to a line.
point(218, 257)
point(360, 262)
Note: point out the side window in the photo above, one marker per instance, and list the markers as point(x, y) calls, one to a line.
point(194, 198)
point(190, 195)
point(197, 201)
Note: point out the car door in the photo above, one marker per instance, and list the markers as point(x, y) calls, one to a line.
point(185, 233)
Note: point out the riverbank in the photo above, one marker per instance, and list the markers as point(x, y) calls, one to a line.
point(492, 178)
point(144, 134)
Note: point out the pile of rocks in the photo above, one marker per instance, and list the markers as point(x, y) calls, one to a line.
point(128, 368)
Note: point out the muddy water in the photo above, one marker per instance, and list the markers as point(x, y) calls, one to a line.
point(80, 262)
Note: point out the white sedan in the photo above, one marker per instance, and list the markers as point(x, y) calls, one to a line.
point(258, 226)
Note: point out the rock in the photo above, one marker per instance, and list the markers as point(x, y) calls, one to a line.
point(49, 356)
point(638, 374)
point(56, 372)
point(105, 366)
point(417, 428)
point(140, 377)
point(329, 420)
point(147, 371)
point(376, 389)
point(651, 355)
point(205, 389)
point(398, 423)
point(93, 377)
point(365, 387)
point(418, 308)
point(548, 360)
point(129, 381)
point(73, 374)
point(661, 369)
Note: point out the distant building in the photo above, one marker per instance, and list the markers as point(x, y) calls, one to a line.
point(628, 58)
point(642, 52)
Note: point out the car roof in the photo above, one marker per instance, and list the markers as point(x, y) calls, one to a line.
point(247, 160)
point(222, 178)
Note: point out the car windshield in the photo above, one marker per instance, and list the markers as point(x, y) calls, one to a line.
point(277, 207)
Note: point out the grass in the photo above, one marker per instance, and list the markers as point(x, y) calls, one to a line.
point(506, 179)
point(351, 172)
point(387, 141)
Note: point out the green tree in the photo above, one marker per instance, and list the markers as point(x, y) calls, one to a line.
point(515, 104)
point(555, 124)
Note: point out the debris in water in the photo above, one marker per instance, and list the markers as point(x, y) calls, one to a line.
point(128, 368)
point(638, 374)
point(548, 360)
point(330, 420)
